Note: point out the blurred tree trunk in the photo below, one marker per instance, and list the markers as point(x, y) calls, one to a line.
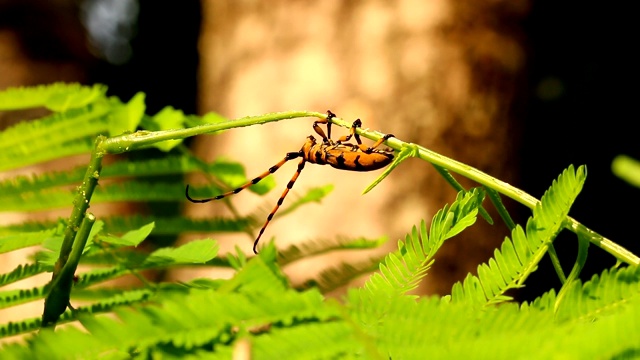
point(442, 74)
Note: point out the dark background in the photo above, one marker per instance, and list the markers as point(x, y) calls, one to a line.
point(588, 49)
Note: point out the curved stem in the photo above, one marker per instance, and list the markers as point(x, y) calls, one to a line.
point(140, 139)
point(502, 187)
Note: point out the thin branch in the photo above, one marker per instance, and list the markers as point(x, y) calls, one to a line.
point(502, 187)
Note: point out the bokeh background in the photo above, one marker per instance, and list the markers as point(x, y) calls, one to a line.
point(519, 89)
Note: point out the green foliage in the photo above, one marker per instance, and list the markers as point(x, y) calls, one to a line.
point(57, 97)
point(519, 256)
point(401, 271)
point(258, 309)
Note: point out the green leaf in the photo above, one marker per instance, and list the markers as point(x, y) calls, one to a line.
point(61, 101)
point(56, 97)
point(176, 225)
point(338, 275)
point(520, 255)
point(125, 118)
point(295, 252)
point(131, 238)
point(53, 244)
point(169, 165)
point(315, 194)
point(233, 175)
point(581, 259)
point(22, 240)
point(193, 252)
point(57, 151)
point(58, 135)
point(21, 272)
point(407, 151)
point(401, 271)
point(10, 298)
point(458, 187)
point(165, 119)
point(208, 118)
point(600, 297)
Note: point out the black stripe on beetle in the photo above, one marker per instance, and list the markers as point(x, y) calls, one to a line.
point(343, 156)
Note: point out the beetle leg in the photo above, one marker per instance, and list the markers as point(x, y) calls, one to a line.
point(352, 132)
point(369, 149)
point(280, 201)
point(326, 138)
point(274, 168)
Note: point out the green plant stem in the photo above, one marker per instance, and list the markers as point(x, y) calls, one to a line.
point(141, 139)
point(555, 261)
point(502, 210)
point(502, 187)
point(59, 295)
point(80, 205)
point(458, 187)
point(74, 237)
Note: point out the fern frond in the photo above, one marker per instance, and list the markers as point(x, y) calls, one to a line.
point(26, 227)
point(28, 139)
point(193, 252)
point(341, 274)
point(8, 161)
point(13, 328)
point(401, 271)
point(125, 118)
point(21, 272)
point(120, 224)
point(103, 305)
point(170, 165)
point(232, 175)
point(23, 240)
point(9, 298)
point(436, 329)
point(544, 302)
point(191, 320)
point(99, 275)
point(167, 165)
point(331, 340)
point(167, 118)
point(612, 336)
point(258, 276)
point(315, 194)
point(306, 249)
point(175, 225)
point(131, 238)
point(603, 294)
point(106, 304)
point(56, 97)
point(42, 181)
point(141, 191)
point(519, 256)
point(126, 191)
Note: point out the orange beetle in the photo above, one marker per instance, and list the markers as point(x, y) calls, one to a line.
point(339, 154)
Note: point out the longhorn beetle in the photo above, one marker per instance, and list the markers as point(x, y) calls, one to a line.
point(339, 154)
